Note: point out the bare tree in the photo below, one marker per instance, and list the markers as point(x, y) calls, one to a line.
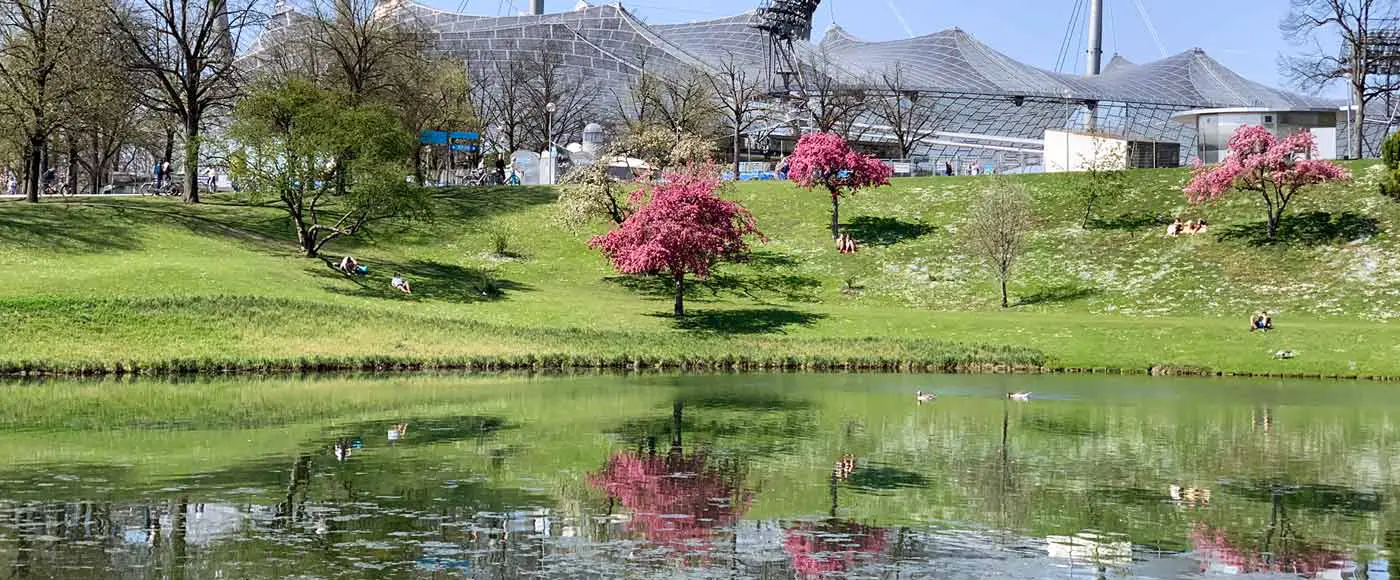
point(431, 94)
point(573, 95)
point(996, 230)
point(1335, 38)
point(834, 103)
point(685, 102)
point(359, 47)
point(106, 119)
point(185, 49)
point(910, 116)
point(500, 88)
point(44, 47)
point(740, 94)
point(633, 107)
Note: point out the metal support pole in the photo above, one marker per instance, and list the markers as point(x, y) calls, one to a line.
point(1095, 37)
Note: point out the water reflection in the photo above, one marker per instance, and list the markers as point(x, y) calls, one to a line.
point(735, 477)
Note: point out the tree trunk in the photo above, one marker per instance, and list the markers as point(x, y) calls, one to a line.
point(1004, 303)
point(72, 184)
point(33, 168)
point(1358, 119)
point(191, 181)
point(1273, 226)
point(1088, 211)
point(736, 152)
point(418, 165)
point(680, 296)
point(306, 240)
point(166, 156)
point(835, 216)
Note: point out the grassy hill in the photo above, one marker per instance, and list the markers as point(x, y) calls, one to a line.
point(103, 281)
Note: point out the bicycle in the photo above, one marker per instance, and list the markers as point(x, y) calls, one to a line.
point(167, 189)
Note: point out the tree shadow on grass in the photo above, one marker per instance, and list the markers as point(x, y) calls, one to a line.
point(1058, 294)
point(884, 231)
point(267, 230)
point(477, 202)
point(430, 281)
point(1135, 220)
point(744, 320)
point(757, 286)
point(1314, 228)
point(64, 228)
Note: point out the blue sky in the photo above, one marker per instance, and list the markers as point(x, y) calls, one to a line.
point(1242, 34)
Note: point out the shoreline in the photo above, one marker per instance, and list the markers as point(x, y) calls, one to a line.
point(572, 363)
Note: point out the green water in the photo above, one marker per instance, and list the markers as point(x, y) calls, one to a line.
point(735, 476)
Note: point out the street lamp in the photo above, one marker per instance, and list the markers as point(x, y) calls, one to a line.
point(549, 139)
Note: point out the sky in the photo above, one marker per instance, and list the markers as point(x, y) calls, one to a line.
point(1241, 34)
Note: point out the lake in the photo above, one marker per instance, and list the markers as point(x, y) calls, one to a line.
point(699, 476)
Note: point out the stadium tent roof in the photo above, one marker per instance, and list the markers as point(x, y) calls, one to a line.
point(610, 44)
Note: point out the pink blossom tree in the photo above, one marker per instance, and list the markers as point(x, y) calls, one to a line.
point(1276, 169)
point(681, 227)
point(827, 160)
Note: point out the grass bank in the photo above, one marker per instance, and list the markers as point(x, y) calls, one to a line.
point(156, 286)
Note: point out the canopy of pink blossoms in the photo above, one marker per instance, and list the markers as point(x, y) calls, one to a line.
point(1257, 158)
point(831, 547)
point(683, 227)
point(827, 160)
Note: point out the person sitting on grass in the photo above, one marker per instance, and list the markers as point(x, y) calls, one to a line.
point(1200, 226)
point(350, 267)
point(399, 283)
point(1174, 229)
point(845, 244)
point(1261, 321)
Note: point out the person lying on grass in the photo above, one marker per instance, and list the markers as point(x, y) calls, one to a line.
point(401, 284)
point(349, 266)
point(1261, 321)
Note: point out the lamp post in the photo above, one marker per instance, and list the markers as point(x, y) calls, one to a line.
point(549, 139)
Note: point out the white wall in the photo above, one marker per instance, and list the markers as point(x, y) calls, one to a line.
point(1326, 138)
point(1070, 151)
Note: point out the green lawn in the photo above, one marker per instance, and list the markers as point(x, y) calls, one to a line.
point(97, 282)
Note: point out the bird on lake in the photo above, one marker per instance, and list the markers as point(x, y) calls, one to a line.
point(923, 397)
point(1021, 396)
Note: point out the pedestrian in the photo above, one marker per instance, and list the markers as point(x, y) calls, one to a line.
point(948, 168)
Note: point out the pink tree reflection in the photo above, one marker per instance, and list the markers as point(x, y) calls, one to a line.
point(831, 547)
point(1290, 557)
point(676, 500)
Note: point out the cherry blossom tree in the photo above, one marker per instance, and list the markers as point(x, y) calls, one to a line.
point(1276, 169)
point(681, 227)
point(827, 160)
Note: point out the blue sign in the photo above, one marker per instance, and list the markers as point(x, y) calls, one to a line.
point(466, 148)
point(444, 137)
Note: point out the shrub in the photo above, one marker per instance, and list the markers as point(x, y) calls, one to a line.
point(1390, 151)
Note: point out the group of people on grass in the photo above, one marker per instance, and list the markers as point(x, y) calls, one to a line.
point(350, 267)
point(1189, 228)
